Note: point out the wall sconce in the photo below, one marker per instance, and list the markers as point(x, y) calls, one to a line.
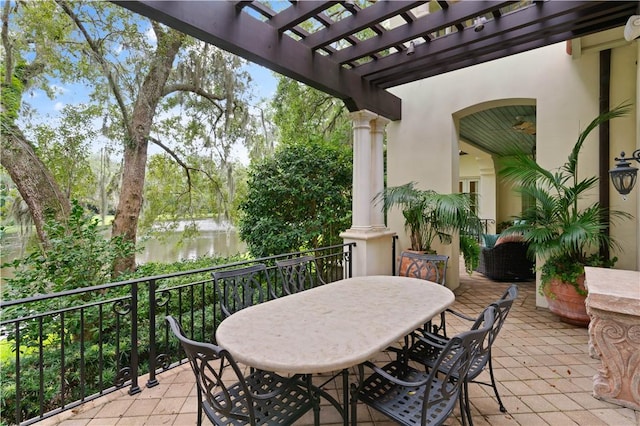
point(411, 49)
point(479, 24)
point(623, 176)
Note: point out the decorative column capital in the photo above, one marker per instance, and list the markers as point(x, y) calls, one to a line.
point(378, 124)
point(362, 118)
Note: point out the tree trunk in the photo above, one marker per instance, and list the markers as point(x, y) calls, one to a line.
point(33, 180)
point(129, 207)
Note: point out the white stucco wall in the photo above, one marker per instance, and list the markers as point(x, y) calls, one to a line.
point(423, 146)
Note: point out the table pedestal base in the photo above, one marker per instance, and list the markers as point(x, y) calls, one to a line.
point(615, 339)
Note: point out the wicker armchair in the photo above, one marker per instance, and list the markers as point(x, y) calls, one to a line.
point(507, 261)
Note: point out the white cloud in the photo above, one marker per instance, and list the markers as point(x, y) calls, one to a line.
point(58, 106)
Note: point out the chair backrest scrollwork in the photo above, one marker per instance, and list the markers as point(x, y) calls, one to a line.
point(299, 274)
point(240, 288)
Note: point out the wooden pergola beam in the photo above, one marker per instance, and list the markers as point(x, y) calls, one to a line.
point(223, 25)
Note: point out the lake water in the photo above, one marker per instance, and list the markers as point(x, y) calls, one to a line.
point(215, 239)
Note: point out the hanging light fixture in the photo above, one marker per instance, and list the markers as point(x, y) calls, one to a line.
point(623, 176)
point(479, 24)
point(411, 49)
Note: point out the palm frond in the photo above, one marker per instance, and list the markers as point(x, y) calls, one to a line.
point(557, 226)
point(572, 162)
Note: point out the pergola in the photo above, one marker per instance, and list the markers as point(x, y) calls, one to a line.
point(356, 52)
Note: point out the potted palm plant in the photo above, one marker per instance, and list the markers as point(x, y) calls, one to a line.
point(429, 215)
point(564, 233)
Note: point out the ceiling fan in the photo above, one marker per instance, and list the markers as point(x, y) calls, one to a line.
point(632, 29)
point(525, 124)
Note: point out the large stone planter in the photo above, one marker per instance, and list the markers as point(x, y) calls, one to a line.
point(614, 334)
point(566, 302)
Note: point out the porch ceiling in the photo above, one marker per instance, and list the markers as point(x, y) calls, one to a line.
point(355, 53)
point(501, 130)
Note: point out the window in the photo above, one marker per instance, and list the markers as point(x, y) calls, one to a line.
point(470, 186)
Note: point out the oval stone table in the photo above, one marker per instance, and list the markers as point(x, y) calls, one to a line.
point(331, 327)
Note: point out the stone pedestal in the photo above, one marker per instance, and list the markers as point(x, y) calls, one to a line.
point(613, 304)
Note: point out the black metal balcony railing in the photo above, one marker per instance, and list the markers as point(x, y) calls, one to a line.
point(74, 346)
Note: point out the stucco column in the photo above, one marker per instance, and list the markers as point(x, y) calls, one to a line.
point(487, 200)
point(377, 169)
point(372, 254)
point(362, 195)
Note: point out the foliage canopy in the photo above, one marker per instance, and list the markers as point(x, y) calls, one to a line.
point(298, 199)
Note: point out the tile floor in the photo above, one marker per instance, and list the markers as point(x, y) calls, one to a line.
point(542, 365)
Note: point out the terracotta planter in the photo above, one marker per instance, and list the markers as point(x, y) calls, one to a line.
point(566, 302)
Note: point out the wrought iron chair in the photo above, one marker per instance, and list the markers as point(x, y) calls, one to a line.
point(431, 267)
point(237, 289)
point(299, 274)
point(427, 346)
point(258, 399)
point(415, 397)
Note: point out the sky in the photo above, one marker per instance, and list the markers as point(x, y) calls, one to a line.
point(264, 84)
point(48, 110)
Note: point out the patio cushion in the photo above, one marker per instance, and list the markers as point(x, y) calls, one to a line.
point(489, 240)
point(509, 238)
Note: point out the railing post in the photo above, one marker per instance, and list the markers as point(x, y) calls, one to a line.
point(152, 335)
point(394, 240)
point(350, 263)
point(134, 340)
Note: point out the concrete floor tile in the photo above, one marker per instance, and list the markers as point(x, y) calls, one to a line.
point(170, 406)
point(587, 401)
point(584, 370)
point(501, 420)
point(538, 404)
point(188, 419)
point(544, 372)
point(142, 407)
point(541, 387)
point(134, 421)
point(75, 422)
point(514, 405)
point(564, 385)
point(522, 373)
point(115, 408)
point(104, 422)
point(190, 405)
point(87, 413)
point(616, 416)
point(485, 405)
point(163, 420)
point(563, 402)
point(180, 389)
point(557, 418)
point(529, 419)
point(505, 361)
point(506, 374)
point(585, 418)
point(518, 388)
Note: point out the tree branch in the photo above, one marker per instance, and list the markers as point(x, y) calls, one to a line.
point(102, 61)
point(183, 87)
point(185, 166)
point(8, 51)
